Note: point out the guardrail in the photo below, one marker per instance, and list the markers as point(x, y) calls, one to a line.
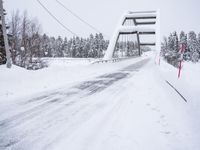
point(113, 60)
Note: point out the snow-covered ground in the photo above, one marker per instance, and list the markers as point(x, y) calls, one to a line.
point(124, 105)
point(188, 85)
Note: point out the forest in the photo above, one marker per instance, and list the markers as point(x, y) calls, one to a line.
point(28, 44)
point(172, 45)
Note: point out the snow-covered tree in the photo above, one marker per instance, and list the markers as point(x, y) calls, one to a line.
point(73, 47)
point(45, 46)
point(171, 51)
point(176, 45)
point(86, 48)
point(193, 46)
point(59, 47)
point(164, 47)
point(92, 46)
point(198, 42)
point(28, 43)
point(66, 51)
point(183, 42)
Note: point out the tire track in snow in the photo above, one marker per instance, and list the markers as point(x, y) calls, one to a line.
point(48, 103)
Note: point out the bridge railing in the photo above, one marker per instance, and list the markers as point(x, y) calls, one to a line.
point(113, 60)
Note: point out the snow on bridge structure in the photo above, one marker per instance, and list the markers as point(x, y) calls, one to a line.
point(144, 23)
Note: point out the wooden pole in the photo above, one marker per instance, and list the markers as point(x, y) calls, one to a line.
point(5, 37)
point(138, 40)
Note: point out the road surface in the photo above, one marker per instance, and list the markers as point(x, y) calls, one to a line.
point(120, 110)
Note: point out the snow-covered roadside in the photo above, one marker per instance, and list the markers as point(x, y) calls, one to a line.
point(18, 82)
point(188, 85)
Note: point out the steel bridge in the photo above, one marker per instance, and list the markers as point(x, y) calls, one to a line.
point(143, 23)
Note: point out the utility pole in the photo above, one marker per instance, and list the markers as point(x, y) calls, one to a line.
point(5, 37)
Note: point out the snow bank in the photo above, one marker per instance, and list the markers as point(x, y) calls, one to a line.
point(68, 61)
point(188, 85)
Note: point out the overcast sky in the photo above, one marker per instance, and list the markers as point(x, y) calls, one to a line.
point(104, 14)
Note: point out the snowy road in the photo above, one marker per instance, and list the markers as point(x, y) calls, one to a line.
point(125, 109)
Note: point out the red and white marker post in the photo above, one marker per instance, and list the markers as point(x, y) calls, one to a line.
point(181, 59)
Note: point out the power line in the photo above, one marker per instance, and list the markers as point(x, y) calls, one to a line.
point(78, 17)
point(54, 17)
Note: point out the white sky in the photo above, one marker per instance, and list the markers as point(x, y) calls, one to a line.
point(104, 14)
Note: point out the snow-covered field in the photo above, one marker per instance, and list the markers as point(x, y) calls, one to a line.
point(125, 105)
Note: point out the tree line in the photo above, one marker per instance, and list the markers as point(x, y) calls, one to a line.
point(28, 42)
point(128, 48)
point(171, 47)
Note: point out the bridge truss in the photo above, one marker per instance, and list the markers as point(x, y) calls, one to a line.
point(143, 23)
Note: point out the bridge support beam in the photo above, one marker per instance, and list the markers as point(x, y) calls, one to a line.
point(138, 41)
point(144, 27)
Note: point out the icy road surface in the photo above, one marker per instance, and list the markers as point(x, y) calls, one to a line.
point(129, 109)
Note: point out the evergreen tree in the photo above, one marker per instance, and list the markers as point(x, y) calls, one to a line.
point(171, 49)
point(45, 45)
point(59, 47)
point(164, 47)
point(198, 42)
point(183, 42)
point(193, 46)
point(171, 52)
point(29, 45)
point(86, 48)
point(52, 47)
point(92, 46)
point(70, 47)
point(176, 45)
point(66, 52)
point(101, 45)
point(77, 47)
point(81, 47)
point(73, 47)
point(170, 43)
